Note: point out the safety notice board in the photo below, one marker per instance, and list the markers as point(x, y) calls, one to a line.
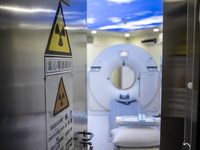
point(59, 110)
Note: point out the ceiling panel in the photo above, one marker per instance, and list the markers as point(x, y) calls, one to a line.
point(124, 15)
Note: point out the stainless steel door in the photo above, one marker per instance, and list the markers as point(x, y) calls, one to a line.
point(192, 77)
point(174, 74)
point(23, 36)
point(25, 27)
point(179, 124)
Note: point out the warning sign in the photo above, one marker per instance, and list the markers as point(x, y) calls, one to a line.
point(58, 65)
point(58, 43)
point(59, 112)
point(58, 54)
point(61, 99)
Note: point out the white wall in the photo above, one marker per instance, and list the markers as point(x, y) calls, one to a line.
point(155, 50)
point(102, 41)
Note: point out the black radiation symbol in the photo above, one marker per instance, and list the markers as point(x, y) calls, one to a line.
point(60, 33)
point(60, 98)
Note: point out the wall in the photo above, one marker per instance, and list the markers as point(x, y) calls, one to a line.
point(155, 50)
point(100, 42)
point(29, 92)
point(104, 40)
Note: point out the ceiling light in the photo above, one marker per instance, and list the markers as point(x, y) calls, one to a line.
point(127, 35)
point(94, 32)
point(156, 30)
point(123, 53)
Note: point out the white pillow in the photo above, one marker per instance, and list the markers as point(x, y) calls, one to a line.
point(136, 136)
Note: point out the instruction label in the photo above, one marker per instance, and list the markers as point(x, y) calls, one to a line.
point(59, 112)
point(56, 65)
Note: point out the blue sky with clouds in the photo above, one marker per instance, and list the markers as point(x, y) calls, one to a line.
point(124, 15)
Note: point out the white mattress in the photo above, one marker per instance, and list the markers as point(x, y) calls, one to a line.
point(136, 137)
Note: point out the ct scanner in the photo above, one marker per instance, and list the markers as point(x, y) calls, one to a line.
point(145, 88)
point(147, 77)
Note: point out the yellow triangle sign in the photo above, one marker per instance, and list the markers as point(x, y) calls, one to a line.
point(61, 99)
point(58, 43)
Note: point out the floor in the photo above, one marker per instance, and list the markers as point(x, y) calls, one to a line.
point(98, 124)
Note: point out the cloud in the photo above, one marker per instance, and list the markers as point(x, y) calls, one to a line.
point(91, 20)
point(135, 24)
point(147, 21)
point(114, 19)
point(92, 3)
point(120, 26)
point(121, 1)
point(142, 13)
point(97, 4)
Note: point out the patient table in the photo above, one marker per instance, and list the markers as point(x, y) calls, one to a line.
point(130, 132)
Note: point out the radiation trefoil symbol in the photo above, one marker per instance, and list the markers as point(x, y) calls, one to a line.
point(61, 99)
point(60, 33)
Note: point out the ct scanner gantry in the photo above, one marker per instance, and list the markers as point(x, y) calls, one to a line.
point(147, 78)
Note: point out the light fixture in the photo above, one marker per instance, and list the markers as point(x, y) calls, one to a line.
point(124, 56)
point(127, 35)
point(123, 53)
point(94, 32)
point(156, 30)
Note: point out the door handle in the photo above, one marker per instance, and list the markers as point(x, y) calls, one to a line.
point(87, 136)
point(186, 146)
point(190, 85)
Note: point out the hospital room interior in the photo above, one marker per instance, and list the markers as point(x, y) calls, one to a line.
point(124, 68)
point(99, 75)
point(127, 61)
point(137, 122)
